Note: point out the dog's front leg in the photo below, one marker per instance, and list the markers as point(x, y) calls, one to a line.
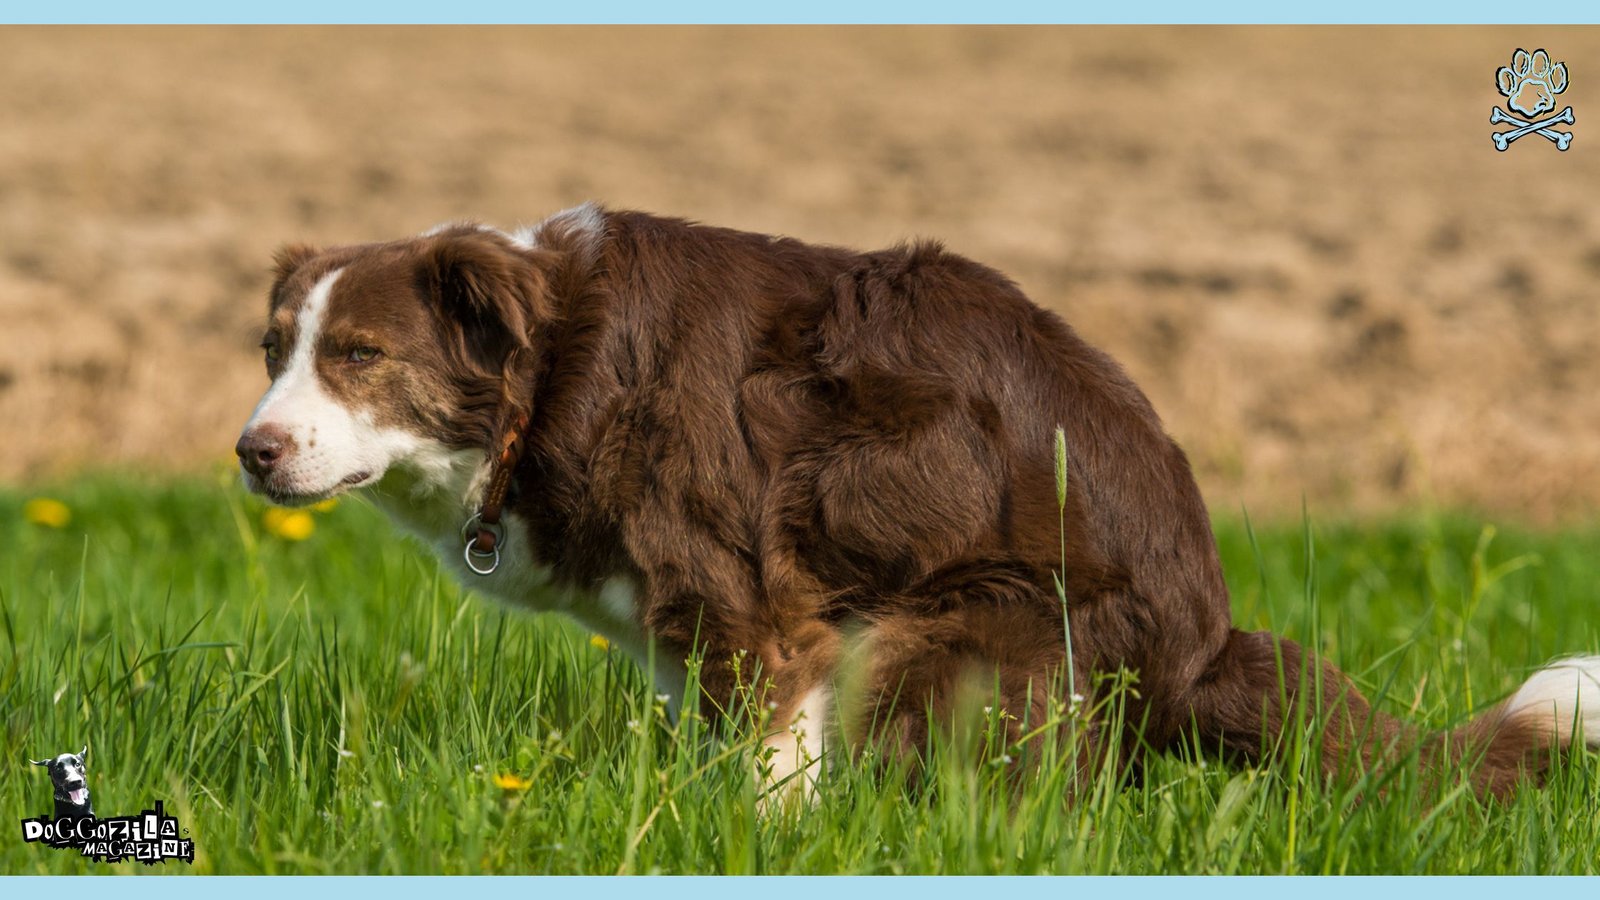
point(756, 669)
point(802, 724)
point(766, 680)
point(790, 704)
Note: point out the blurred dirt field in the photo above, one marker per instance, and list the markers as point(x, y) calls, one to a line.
point(1301, 242)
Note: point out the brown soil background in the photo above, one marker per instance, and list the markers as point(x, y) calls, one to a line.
point(1300, 241)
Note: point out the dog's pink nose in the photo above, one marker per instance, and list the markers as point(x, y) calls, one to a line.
point(261, 447)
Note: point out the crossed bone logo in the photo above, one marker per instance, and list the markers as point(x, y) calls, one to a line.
point(1530, 85)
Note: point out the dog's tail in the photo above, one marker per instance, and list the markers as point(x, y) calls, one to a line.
point(1557, 707)
point(1254, 689)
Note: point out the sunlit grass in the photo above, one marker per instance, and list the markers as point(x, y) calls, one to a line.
point(317, 698)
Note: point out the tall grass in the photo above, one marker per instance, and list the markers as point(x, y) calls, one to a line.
point(333, 705)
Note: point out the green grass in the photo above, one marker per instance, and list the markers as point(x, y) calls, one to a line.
point(335, 706)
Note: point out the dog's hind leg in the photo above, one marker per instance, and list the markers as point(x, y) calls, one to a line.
point(972, 657)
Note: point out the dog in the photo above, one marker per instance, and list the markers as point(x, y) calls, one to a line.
point(782, 455)
point(69, 778)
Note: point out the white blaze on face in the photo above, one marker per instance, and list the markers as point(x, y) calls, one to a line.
point(334, 447)
point(72, 775)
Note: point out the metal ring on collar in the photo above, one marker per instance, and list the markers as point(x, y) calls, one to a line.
point(471, 555)
point(469, 531)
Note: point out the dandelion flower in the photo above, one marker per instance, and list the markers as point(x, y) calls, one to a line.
point(509, 782)
point(289, 524)
point(599, 642)
point(47, 512)
point(327, 505)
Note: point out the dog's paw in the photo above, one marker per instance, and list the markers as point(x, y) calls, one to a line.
point(790, 762)
point(1532, 82)
point(788, 768)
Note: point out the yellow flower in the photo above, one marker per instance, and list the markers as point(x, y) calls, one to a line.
point(289, 524)
point(599, 642)
point(509, 782)
point(47, 512)
point(327, 505)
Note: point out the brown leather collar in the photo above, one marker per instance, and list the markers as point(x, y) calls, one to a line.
point(482, 533)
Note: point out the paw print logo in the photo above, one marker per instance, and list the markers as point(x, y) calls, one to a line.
point(1530, 85)
point(1532, 82)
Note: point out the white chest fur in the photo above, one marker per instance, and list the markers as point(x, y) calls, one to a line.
point(433, 498)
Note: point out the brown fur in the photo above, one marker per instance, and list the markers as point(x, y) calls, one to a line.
point(781, 442)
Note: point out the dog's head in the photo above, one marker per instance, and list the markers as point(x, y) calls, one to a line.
point(68, 775)
point(385, 355)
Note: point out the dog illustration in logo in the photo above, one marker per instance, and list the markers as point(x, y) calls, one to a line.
point(1530, 85)
point(71, 785)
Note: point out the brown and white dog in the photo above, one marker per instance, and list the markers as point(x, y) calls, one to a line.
point(754, 446)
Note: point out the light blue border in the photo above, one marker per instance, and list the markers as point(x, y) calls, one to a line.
point(1471, 12)
point(1474, 12)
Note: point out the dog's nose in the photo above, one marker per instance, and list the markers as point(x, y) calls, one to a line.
point(262, 447)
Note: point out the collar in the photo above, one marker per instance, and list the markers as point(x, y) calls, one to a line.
point(482, 533)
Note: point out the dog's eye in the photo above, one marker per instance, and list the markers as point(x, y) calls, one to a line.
point(272, 351)
point(363, 354)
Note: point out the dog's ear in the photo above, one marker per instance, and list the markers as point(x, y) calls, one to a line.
point(40, 762)
point(494, 289)
point(288, 259)
point(493, 300)
point(84, 753)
